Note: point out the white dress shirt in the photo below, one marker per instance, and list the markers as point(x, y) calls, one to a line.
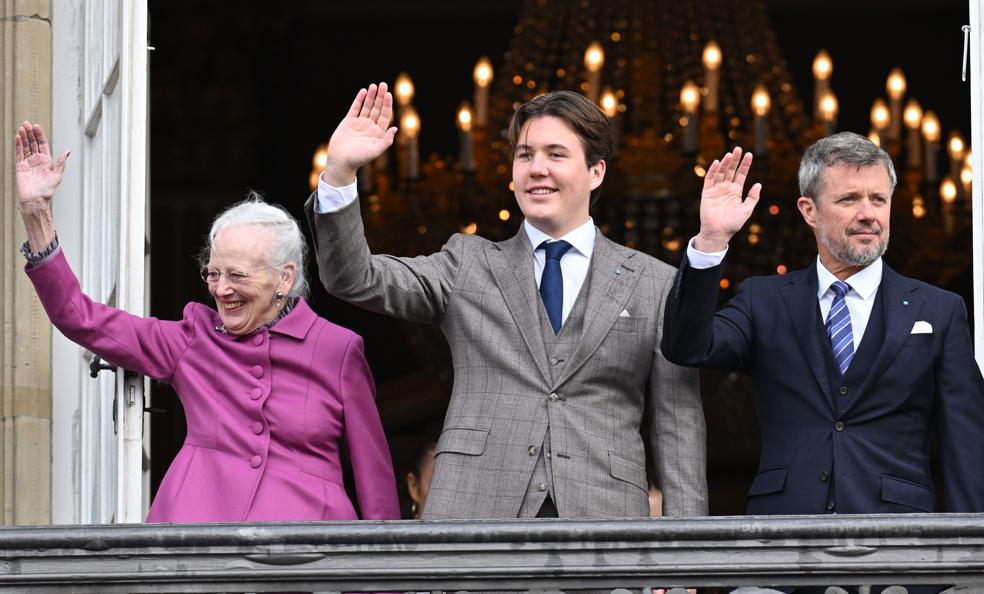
point(860, 299)
point(573, 264)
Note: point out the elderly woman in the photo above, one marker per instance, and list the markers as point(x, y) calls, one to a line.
point(271, 391)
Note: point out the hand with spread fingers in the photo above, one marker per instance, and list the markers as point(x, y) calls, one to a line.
point(723, 212)
point(37, 178)
point(37, 175)
point(364, 134)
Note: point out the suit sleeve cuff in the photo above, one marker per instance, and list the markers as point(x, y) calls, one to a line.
point(332, 199)
point(701, 260)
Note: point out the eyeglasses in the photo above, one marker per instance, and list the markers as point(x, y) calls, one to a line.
point(237, 278)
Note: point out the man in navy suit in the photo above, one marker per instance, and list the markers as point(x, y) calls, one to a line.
point(853, 364)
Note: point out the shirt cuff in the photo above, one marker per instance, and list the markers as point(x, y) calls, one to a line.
point(332, 199)
point(38, 258)
point(701, 260)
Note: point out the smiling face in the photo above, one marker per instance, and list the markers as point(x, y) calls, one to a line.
point(552, 181)
point(850, 218)
point(243, 285)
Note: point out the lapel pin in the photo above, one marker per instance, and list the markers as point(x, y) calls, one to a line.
point(905, 302)
point(618, 271)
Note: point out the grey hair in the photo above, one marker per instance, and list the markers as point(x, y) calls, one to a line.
point(288, 240)
point(843, 148)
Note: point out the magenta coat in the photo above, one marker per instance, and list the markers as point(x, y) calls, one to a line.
point(267, 411)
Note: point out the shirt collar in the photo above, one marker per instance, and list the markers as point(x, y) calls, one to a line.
point(582, 238)
point(864, 282)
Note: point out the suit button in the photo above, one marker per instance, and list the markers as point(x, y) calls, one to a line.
point(839, 426)
point(257, 427)
point(830, 506)
point(548, 454)
point(258, 339)
point(255, 393)
point(843, 390)
point(553, 397)
point(255, 461)
point(257, 371)
point(541, 487)
point(532, 450)
point(824, 476)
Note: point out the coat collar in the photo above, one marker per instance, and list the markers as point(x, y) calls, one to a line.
point(297, 322)
point(799, 296)
point(615, 271)
point(511, 265)
point(902, 302)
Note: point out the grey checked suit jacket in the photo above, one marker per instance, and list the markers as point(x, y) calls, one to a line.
point(483, 295)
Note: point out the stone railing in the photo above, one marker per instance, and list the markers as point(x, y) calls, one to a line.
point(499, 555)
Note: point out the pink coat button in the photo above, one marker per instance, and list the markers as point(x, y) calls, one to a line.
point(255, 461)
point(257, 371)
point(257, 427)
point(255, 393)
point(258, 339)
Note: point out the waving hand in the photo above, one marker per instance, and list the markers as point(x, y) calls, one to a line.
point(37, 178)
point(722, 210)
point(364, 134)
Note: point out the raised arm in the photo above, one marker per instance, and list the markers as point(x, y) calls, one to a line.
point(362, 135)
point(37, 178)
point(693, 334)
point(144, 345)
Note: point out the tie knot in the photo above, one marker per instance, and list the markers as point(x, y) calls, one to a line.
point(555, 249)
point(841, 288)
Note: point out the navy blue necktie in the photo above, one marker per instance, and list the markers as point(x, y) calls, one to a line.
point(552, 282)
point(839, 327)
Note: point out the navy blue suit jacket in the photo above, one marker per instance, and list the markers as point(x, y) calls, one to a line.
point(857, 444)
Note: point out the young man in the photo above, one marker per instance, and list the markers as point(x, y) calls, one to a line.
point(554, 333)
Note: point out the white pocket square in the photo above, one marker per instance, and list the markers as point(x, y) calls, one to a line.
point(922, 327)
point(624, 314)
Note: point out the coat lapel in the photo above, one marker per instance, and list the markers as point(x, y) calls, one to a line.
point(511, 263)
point(902, 304)
point(799, 297)
point(613, 278)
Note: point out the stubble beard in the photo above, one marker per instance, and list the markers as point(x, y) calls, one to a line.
point(849, 254)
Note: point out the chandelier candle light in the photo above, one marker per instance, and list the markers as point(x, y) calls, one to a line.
point(410, 130)
point(712, 75)
point(594, 59)
point(913, 115)
point(689, 101)
point(464, 122)
point(483, 79)
point(822, 69)
point(880, 118)
point(403, 92)
point(761, 105)
point(895, 87)
point(931, 145)
point(828, 112)
point(609, 106)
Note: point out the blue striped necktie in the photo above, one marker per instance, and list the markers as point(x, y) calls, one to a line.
point(839, 327)
point(552, 282)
